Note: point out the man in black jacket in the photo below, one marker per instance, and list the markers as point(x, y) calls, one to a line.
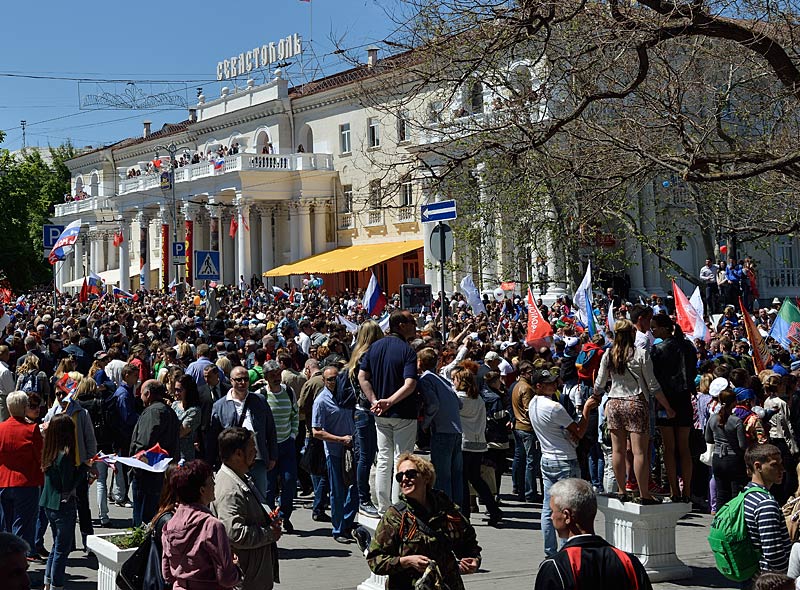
point(158, 424)
point(586, 560)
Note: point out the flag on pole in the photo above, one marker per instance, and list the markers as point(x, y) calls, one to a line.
point(540, 332)
point(65, 242)
point(94, 284)
point(348, 325)
point(610, 318)
point(83, 296)
point(121, 294)
point(234, 226)
point(219, 164)
point(374, 300)
point(583, 301)
point(786, 327)
point(472, 295)
point(687, 315)
point(700, 328)
point(761, 356)
point(118, 238)
point(279, 293)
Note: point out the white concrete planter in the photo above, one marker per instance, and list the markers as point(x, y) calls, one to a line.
point(109, 559)
point(374, 582)
point(649, 533)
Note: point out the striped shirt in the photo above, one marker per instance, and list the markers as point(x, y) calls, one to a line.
point(767, 529)
point(284, 411)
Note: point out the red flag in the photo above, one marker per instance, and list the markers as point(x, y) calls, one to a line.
point(118, 238)
point(761, 356)
point(539, 330)
point(234, 227)
point(6, 295)
point(83, 296)
point(685, 314)
point(291, 295)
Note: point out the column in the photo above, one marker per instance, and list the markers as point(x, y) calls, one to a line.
point(227, 247)
point(320, 226)
point(62, 273)
point(79, 250)
point(304, 244)
point(189, 214)
point(650, 263)
point(488, 245)
point(100, 265)
point(165, 274)
point(144, 261)
point(243, 241)
point(125, 253)
point(267, 246)
point(92, 251)
point(112, 250)
point(294, 230)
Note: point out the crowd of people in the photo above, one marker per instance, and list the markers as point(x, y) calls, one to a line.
point(262, 401)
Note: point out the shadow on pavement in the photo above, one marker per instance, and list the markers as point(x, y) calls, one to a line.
point(706, 577)
point(309, 552)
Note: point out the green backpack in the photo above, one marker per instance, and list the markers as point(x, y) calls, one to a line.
point(736, 556)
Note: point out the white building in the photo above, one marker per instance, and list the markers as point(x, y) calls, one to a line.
point(304, 187)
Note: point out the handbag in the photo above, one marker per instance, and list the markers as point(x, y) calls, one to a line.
point(131, 575)
point(313, 460)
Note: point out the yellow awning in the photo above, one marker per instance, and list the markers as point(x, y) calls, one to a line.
point(346, 258)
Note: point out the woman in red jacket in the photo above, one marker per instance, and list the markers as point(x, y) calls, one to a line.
point(20, 469)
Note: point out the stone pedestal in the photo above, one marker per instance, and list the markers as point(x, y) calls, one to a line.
point(373, 582)
point(109, 559)
point(649, 533)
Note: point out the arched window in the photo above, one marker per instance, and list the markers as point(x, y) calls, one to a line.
point(476, 98)
point(94, 185)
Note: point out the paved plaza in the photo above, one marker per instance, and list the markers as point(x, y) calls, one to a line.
point(312, 560)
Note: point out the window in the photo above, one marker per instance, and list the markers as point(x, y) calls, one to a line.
point(344, 138)
point(347, 198)
point(403, 127)
point(406, 192)
point(375, 194)
point(373, 132)
point(476, 98)
point(435, 109)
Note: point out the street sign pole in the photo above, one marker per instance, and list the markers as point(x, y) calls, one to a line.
point(441, 280)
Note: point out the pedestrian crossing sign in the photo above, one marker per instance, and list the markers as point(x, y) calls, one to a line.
point(206, 265)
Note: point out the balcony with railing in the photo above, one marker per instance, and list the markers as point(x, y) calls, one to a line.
point(407, 214)
point(374, 218)
point(346, 221)
point(233, 163)
point(83, 206)
point(779, 281)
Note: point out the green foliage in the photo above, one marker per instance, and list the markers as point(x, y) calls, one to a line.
point(131, 539)
point(29, 189)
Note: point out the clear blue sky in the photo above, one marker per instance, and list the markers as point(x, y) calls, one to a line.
point(175, 41)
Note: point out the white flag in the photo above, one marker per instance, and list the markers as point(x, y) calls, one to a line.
point(583, 296)
point(700, 328)
point(472, 294)
point(349, 326)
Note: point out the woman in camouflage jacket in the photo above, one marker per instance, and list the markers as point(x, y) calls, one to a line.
point(423, 533)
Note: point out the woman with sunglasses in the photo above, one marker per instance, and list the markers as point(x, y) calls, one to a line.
point(424, 531)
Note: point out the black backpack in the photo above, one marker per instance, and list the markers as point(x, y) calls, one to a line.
point(96, 407)
point(110, 419)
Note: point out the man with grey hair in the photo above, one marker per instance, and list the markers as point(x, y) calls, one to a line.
point(13, 562)
point(586, 560)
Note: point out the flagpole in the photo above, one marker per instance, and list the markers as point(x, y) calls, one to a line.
point(441, 279)
point(55, 289)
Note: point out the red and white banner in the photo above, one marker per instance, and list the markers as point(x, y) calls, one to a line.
point(540, 332)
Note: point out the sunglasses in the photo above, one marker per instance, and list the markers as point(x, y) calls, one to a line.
point(239, 379)
point(408, 474)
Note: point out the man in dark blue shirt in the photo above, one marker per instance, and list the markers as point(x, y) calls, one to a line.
point(128, 416)
point(388, 378)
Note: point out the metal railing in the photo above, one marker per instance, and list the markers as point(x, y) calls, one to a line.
point(346, 221)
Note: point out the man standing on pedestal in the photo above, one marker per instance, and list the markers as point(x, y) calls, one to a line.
point(586, 561)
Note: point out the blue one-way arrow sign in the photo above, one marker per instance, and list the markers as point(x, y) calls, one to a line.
point(441, 211)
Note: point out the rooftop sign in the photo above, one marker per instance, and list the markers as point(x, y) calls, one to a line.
point(259, 57)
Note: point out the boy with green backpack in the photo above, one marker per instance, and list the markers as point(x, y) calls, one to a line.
point(748, 534)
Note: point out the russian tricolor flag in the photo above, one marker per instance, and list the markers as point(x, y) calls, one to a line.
point(374, 300)
point(66, 240)
point(279, 293)
point(122, 294)
point(219, 163)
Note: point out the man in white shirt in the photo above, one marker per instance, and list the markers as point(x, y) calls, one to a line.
point(303, 338)
point(7, 384)
point(708, 276)
point(558, 435)
point(641, 316)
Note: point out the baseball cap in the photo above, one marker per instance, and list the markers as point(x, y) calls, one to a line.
point(491, 356)
point(544, 376)
point(270, 366)
point(744, 394)
point(717, 386)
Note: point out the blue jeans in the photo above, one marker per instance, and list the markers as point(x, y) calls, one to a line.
point(145, 504)
point(102, 489)
point(526, 470)
point(344, 499)
point(258, 473)
point(62, 522)
point(554, 470)
point(321, 494)
point(596, 465)
point(447, 460)
point(366, 447)
point(286, 469)
point(19, 508)
point(41, 526)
